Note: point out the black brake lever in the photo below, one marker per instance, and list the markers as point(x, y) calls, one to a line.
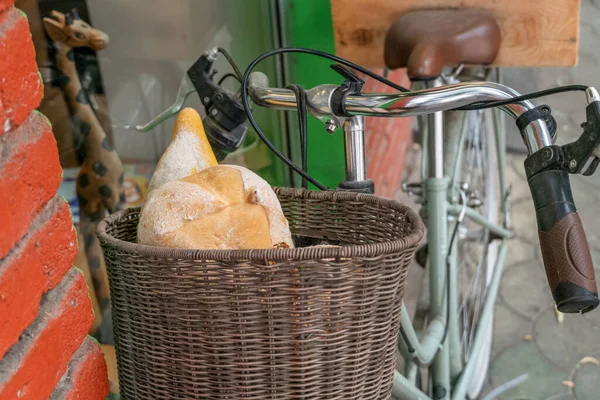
point(578, 157)
point(225, 121)
point(581, 152)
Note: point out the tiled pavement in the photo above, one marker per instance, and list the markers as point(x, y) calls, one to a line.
point(559, 354)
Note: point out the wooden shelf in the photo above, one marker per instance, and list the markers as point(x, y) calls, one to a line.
point(534, 34)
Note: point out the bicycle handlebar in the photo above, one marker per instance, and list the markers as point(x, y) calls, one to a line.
point(564, 246)
point(563, 242)
point(401, 104)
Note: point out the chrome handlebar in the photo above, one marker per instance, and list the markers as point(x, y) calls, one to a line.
point(402, 104)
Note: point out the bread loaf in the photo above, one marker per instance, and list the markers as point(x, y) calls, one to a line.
point(221, 207)
point(189, 151)
point(193, 202)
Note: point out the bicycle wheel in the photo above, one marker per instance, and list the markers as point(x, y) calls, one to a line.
point(477, 182)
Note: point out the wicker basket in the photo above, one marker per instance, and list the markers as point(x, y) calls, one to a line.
point(304, 323)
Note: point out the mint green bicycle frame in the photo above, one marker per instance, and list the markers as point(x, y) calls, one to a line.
point(450, 378)
point(444, 359)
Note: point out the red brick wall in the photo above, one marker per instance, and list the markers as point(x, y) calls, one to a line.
point(45, 311)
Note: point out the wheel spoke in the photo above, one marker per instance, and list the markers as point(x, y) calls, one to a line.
point(472, 270)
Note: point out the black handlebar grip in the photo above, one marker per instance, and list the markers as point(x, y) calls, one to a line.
point(564, 246)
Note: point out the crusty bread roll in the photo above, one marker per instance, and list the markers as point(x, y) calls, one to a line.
point(193, 202)
point(188, 153)
point(221, 207)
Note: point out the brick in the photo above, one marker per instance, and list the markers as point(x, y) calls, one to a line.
point(4, 4)
point(32, 367)
point(86, 377)
point(35, 266)
point(30, 172)
point(21, 87)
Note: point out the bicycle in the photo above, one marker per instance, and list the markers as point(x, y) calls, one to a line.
point(461, 206)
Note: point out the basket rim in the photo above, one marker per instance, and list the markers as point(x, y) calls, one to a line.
point(279, 254)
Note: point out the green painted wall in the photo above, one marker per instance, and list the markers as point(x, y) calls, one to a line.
point(305, 23)
point(250, 24)
point(308, 24)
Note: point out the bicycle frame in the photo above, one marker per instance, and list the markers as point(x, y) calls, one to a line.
point(448, 373)
point(450, 378)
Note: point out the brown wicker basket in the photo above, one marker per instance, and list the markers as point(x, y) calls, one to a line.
point(303, 323)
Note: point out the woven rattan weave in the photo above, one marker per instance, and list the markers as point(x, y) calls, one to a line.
point(312, 323)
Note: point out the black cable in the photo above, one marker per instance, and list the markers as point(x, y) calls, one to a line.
point(228, 75)
point(322, 54)
point(302, 124)
point(495, 103)
point(231, 62)
point(405, 338)
point(448, 294)
point(259, 132)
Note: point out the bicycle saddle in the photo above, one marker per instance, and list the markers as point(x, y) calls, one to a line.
point(425, 41)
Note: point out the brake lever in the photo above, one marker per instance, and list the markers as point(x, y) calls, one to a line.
point(582, 154)
point(225, 120)
point(191, 82)
point(579, 157)
point(186, 87)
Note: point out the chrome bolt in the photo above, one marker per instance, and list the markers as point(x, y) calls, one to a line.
point(205, 100)
point(573, 164)
point(214, 111)
point(330, 126)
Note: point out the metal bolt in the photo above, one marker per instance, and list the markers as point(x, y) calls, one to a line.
point(545, 110)
point(218, 97)
point(205, 100)
point(573, 164)
point(330, 126)
point(214, 111)
point(439, 392)
point(547, 153)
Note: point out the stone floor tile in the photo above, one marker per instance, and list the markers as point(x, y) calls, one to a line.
point(544, 379)
point(524, 222)
point(587, 382)
point(524, 291)
point(519, 251)
point(568, 342)
point(509, 328)
point(514, 178)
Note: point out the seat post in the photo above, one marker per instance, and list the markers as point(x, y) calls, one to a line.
point(435, 138)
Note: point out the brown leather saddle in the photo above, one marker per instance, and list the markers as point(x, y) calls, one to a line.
point(426, 41)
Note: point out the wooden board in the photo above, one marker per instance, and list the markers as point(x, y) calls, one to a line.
point(110, 355)
point(534, 33)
